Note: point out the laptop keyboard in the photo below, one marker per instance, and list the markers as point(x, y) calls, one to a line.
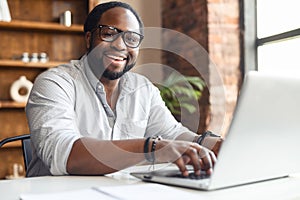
point(192, 175)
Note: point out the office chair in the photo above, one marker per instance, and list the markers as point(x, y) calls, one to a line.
point(26, 146)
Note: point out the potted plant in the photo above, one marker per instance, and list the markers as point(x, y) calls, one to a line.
point(178, 91)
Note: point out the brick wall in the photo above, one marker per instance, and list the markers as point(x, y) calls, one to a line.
point(214, 24)
point(190, 18)
point(224, 49)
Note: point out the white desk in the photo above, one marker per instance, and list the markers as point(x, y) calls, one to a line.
point(287, 188)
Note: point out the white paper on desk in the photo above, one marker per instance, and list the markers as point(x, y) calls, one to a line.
point(89, 194)
point(127, 192)
point(148, 191)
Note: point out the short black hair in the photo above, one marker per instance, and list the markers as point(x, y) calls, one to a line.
point(94, 16)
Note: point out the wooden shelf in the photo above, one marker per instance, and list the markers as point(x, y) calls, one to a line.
point(17, 63)
point(12, 144)
point(41, 26)
point(34, 30)
point(11, 104)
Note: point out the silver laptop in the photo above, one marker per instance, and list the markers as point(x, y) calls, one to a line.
point(263, 139)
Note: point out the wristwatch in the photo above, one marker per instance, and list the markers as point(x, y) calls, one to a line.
point(206, 134)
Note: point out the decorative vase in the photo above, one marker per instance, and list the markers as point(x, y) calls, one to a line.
point(4, 11)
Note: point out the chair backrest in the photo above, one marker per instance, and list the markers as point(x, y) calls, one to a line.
point(26, 146)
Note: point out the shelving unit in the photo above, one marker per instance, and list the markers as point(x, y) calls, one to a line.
point(34, 28)
point(11, 104)
point(41, 26)
point(20, 64)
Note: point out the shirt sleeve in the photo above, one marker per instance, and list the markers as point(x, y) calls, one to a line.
point(161, 121)
point(51, 119)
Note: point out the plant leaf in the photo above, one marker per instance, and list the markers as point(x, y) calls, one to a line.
point(190, 108)
point(177, 90)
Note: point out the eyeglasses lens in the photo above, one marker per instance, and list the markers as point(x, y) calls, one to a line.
point(109, 34)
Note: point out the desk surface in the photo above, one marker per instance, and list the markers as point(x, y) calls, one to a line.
point(286, 188)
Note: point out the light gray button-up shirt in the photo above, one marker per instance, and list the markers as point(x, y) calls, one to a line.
point(68, 102)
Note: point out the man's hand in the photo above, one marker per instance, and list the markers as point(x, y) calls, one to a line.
point(184, 153)
point(213, 143)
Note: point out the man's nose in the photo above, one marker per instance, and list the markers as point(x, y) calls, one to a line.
point(119, 43)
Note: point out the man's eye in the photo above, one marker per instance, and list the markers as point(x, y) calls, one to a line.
point(107, 34)
point(132, 38)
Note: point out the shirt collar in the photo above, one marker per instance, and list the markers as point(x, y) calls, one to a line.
point(126, 83)
point(89, 74)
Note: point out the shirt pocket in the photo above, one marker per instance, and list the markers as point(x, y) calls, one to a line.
point(133, 129)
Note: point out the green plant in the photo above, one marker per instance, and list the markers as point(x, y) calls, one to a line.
point(178, 91)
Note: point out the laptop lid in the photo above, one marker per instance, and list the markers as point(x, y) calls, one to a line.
point(263, 140)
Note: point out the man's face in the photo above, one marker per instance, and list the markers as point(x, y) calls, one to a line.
point(115, 58)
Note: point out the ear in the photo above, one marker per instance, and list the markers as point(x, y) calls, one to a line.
point(88, 37)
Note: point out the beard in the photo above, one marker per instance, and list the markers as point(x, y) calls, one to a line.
point(116, 75)
point(94, 58)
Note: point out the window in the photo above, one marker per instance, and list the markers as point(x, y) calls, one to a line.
point(276, 35)
point(278, 31)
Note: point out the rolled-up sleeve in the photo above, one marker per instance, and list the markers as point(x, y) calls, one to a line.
point(51, 119)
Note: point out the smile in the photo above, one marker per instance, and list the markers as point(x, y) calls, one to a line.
point(117, 57)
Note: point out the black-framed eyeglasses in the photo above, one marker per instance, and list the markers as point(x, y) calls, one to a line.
point(110, 34)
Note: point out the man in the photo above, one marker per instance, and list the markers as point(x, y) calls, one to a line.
point(92, 116)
